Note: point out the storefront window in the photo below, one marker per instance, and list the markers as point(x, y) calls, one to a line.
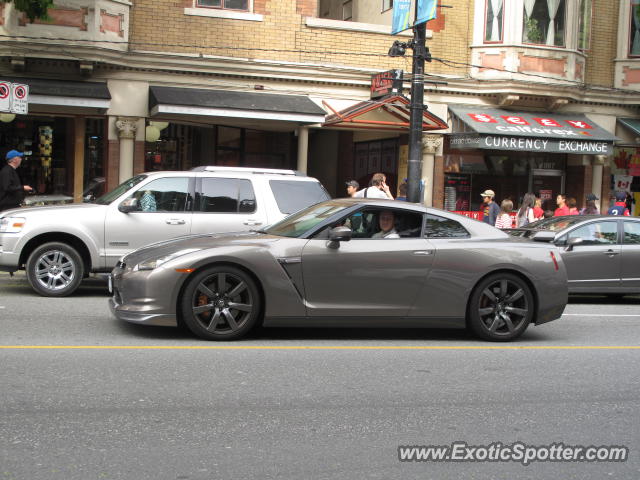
point(376, 156)
point(544, 22)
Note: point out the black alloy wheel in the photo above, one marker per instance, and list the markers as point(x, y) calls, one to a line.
point(55, 269)
point(221, 303)
point(501, 307)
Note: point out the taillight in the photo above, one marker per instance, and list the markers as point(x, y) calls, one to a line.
point(555, 262)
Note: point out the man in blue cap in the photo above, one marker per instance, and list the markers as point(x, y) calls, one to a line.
point(11, 188)
point(620, 207)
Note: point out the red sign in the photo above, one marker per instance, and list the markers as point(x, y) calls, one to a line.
point(386, 83)
point(483, 118)
point(515, 120)
point(578, 124)
point(547, 122)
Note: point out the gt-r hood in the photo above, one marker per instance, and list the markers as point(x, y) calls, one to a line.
point(194, 243)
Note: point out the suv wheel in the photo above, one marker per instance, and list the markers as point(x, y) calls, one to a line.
point(54, 269)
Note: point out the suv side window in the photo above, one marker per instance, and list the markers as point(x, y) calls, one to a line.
point(162, 195)
point(226, 195)
point(440, 227)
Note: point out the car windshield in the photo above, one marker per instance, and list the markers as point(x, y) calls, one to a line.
point(295, 225)
point(555, 224)
point(107, 198)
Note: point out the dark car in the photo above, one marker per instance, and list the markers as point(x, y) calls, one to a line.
point(601, 252)
point(345, 263)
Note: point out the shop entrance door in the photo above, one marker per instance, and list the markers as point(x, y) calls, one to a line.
point(547, 184)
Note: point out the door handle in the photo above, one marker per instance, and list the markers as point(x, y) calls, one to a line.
point(252, 222)
point(423, 252)
point(175, 221)
point(610, 253)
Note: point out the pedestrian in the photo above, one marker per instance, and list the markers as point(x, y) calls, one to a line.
point(403, 192)
point(590, 207)
point(525, 213)
point(561, 201)
point(620, 206)
point(11, 188)
point(573, 206)
point(378, 188)
point(504, 218)
point(538, 211)
point(490, 209)
point(352, 187)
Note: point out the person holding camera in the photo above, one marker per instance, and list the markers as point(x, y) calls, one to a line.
point(378, 188)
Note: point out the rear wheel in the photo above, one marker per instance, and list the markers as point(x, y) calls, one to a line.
point(221, 303)
point(55, 269)
point(501, 307)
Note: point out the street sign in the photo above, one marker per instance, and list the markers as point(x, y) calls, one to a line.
point(5, 97)
point(19, 98)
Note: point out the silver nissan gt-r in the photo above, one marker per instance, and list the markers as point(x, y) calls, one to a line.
point(345, 263)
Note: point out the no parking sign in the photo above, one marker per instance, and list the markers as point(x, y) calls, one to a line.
point(20, 98)
point(5, 97)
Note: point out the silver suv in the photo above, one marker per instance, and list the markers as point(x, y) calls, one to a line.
point(60, 245)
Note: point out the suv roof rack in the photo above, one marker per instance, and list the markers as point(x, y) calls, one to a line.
point(272, 171)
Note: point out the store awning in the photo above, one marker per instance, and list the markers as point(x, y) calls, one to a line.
point(243, 105)
point(65, 93)
point(390, 113)
point(632, 124)
point(497, 129)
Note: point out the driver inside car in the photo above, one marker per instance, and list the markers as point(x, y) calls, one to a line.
point(386, 221)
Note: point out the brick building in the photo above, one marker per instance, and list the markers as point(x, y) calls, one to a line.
point(118, 87)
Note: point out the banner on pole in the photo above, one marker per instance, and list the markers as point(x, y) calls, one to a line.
point(401, 16)
point(426, 11)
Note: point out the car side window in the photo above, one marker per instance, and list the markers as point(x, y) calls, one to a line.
point(440, 227)
point(162, 195)
point(379, 223)
point(596, 233)
point(226, 195)
point(631, 233)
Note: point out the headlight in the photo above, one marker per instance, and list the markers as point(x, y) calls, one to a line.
point(12, 224)
point(153, 263)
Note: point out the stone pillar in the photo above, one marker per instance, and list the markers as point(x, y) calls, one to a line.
point(127, 128)
point(303, 148)
point(597, 165)
point(430, 146)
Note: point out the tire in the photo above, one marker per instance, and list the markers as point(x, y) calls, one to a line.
point(55, 269)
point(221, 303)
point(501, 307)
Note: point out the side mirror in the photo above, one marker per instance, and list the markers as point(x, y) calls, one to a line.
point(572, 243)
point(340, 234)
point(543, 236)
point(129, 205)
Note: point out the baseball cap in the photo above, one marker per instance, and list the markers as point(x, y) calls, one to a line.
point(488, 193)
point(621, 196)
point(591, 196)
point(14, 153)
point(352, 183)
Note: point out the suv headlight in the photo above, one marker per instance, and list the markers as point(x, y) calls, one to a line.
point(12, 224)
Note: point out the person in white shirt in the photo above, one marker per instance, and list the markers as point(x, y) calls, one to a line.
point(378, 188)
point(386, 220)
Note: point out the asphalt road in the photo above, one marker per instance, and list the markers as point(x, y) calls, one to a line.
point(84, 396)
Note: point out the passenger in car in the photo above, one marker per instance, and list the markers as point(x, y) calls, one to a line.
point(386, 220)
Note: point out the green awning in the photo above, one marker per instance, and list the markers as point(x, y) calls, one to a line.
point(632, 124)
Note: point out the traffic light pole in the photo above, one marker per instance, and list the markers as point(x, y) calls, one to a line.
point(414, 167)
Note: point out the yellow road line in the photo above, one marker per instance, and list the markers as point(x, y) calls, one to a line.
point(318, 347)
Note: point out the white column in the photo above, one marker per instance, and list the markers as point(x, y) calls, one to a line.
point(597, 166)
point(430, 146)
point(127, 127)
point(303, 148)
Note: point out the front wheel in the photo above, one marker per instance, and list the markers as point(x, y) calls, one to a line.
point(55, 269)
point(501, 307)
point(221, 303)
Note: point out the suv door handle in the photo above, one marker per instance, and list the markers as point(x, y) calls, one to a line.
point(175, 221)
point(423, 252)
point(252, 222)
point(610, 252)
